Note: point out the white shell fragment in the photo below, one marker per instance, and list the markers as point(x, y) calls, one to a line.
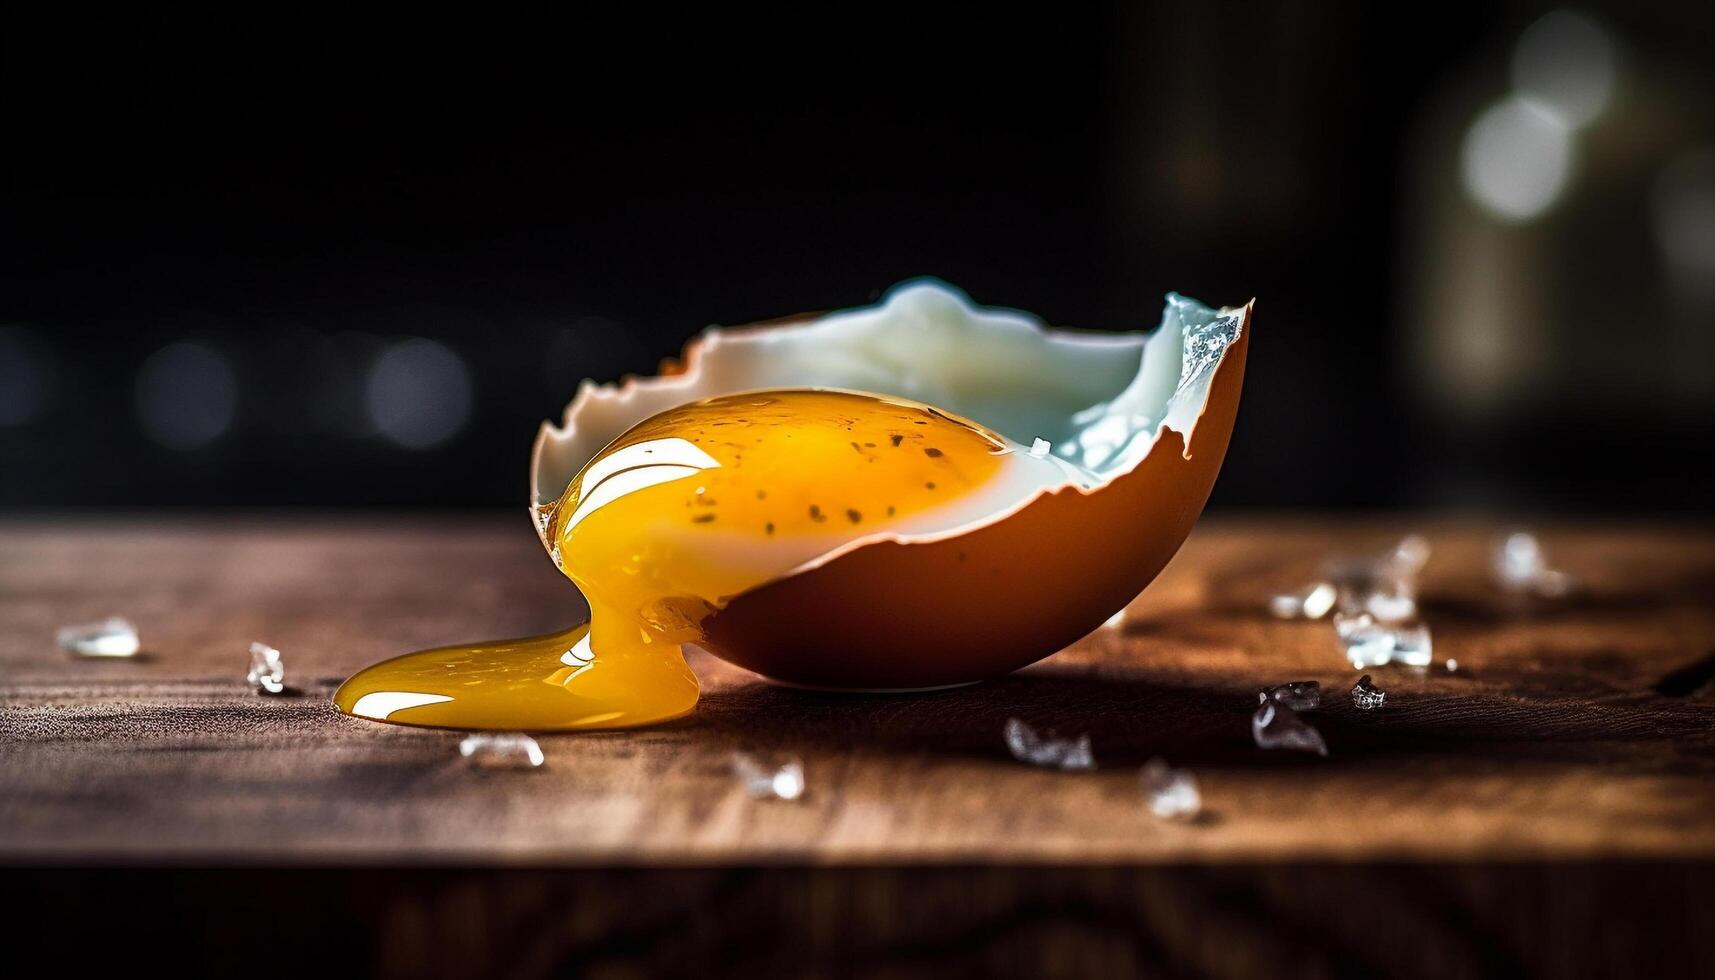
point(1046, 749)
point(502, 750)
point(1297, 695)
point(1384, 586)
point(1313, 601)
point(1520, 567)
point(1171, 793)
point(1368, 643)
point(1367, 696)
point(769, 782)
point(1116, 621)
point(1394, 603)
point(113, 637)
point(1412, 645)
point(1410, 555)
point(1275, 726)
point(267, 671)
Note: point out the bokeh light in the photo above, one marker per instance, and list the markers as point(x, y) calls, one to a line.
point(1566, 63)
point(187, 396)
point(418, 394)
point(1517, 159)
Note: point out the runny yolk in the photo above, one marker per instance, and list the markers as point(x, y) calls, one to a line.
point(668, 523)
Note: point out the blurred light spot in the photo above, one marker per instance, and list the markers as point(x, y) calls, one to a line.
point(1517, 159)
point(1684, 210)
point(187, 396)
point(23, 377)
point(1566, 63)
point(418, 393)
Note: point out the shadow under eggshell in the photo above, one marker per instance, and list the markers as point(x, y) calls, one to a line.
point(891, 615)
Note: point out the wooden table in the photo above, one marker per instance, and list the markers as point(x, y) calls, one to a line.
point(1551, 801)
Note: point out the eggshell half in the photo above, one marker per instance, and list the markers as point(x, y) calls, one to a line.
point(890, 613)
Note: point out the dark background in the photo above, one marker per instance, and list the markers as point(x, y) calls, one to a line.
point(558, 192)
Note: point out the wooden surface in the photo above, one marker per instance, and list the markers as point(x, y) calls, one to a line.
point(1573, 731)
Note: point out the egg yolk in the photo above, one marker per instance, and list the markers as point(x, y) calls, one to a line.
point(667, 524)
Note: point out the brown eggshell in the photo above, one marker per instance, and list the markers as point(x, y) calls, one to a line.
point(889, 615)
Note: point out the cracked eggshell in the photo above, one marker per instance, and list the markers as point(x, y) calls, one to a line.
point(1145, 418)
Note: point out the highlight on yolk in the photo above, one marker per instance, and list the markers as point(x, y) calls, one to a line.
point(670, 522)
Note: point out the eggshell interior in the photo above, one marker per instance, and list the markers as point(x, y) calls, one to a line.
point(1145, 417)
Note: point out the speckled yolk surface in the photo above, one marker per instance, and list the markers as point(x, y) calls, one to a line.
point(668, 523)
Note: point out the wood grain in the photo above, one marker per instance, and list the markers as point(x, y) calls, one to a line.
point(1577, 730)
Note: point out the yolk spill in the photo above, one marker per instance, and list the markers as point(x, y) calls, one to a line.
point(668, 523)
